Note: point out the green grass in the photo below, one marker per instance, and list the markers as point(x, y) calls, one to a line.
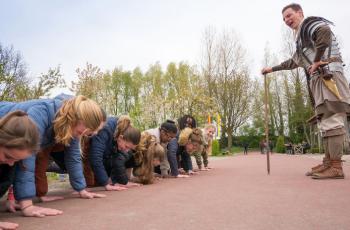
point(234, 150)
point(51, 177)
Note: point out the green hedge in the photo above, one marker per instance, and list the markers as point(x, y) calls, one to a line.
point(280, 148)
point(315, 150)
point(216, 148)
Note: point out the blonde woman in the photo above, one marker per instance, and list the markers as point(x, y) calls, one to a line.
point(62, 120)
point(148, 155)
point(208, 134)
point(190, 141)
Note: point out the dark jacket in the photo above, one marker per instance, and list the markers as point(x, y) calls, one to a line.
point(186, 161)
point(101, 150)
point(171, 153)
point(104, 158)
point(7, 174)
point(120, 163)
point(42, 112)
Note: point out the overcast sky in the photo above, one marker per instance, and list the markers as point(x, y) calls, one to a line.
point(111, 33)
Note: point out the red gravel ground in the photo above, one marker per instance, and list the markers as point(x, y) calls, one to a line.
point(237, 194)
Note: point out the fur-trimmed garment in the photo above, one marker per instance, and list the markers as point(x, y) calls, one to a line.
point(315, 41)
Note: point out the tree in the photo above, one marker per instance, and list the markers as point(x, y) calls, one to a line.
point(53, 78)
point(280, 147)
point(276, 111)
point(15, 85)
point(231, 85)
point(186, 92)
point(12, 73)
point(208, 62)
point(89, 81)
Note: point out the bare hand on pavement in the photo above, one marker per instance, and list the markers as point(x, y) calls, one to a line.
point(89, 195)
point(130, 184)
point(50, 198)
point(182, 176)
point(110, 187)
point(8, 226)
point(37, 211)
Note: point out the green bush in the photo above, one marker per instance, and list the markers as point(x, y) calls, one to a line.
point(216, 148)
point(51, 176)
point(315, 150)
point(280, 148)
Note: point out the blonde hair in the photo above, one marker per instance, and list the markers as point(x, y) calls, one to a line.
point(196, 136)
point(147, 150)
point(125, 128)
point(18, 131)
point(184, 135)
point(73, 110)
point(210, 126)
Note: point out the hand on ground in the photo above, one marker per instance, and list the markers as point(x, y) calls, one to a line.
point(190, 172)
point(37, 211)
point(8, 226)
point(110, 187)
point(182, 176)
point(89, 195)
point(50, 198)
point(130, 184)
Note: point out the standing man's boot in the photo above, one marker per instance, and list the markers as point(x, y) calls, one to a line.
point(335, 171)
point(320, 168)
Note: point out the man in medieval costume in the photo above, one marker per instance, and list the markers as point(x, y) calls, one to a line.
point(317, 51)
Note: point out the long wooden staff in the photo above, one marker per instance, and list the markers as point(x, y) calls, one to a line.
point(267, 125)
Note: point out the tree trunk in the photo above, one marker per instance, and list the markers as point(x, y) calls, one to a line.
point(229, 140)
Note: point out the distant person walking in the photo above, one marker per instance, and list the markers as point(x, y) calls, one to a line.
point(245, 146)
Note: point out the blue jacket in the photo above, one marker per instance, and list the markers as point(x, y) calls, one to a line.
point(101, 150)
point(42, 112)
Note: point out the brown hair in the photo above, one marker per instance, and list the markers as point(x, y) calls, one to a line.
point(193, 135)
point(129, 133)
point(73, 110)
point(147, 150)
point(18, 131)
point(196, 136)
point(294, 6)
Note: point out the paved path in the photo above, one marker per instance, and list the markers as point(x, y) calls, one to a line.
point(237, 194)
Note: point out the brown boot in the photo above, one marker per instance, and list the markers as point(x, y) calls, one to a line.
point(319, 168)
point(335, 171)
